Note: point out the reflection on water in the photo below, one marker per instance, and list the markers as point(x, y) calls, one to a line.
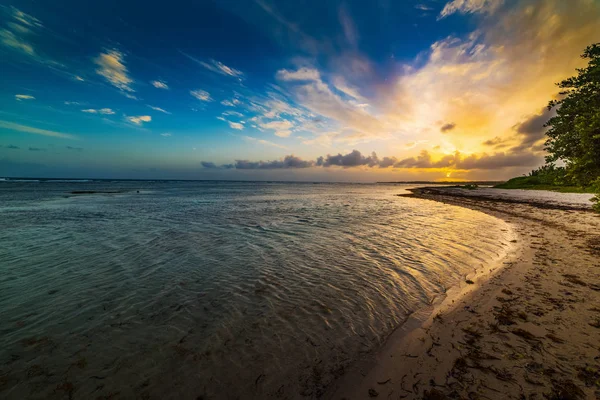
point(224, 290)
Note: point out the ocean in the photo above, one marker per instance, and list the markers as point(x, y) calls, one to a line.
point(187, 290)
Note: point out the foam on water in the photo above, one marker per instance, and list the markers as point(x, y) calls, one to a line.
point(216, 289)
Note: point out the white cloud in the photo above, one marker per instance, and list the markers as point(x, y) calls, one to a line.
point(470, 6)
point(72, 103)
point(139, 119)
point(159, 109)
point(234, 113)
point(160, 85)
point(201, 95)
point(166, 134)
point(235, 125)
point(217, 67)
point(281, 128)
point(111, 65)
point(20, 97)
point(78, 78)
point(11, 40)
point(28, 129)
point(103, 111)
point(302, 74)
point(340, 84)
point(263, 142)
point(25, 19)
point(231, 103)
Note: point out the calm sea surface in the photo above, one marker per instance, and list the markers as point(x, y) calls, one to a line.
point(185, 290)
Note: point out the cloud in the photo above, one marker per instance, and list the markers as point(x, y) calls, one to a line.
point(231, 103)
point(201, 95)
point(25, 19)
point(20, 97)
point(496, 142)
point(447, 127)
point(281, 128)
point(11, 40)
point(235, 125)
point(209, 165)
point(220, 68)
point(28, 129)
point(12, 147)
point(160, 85)
point(263, 142)
point(423, 7)
point(233, 113)
point(159, 109)
point(469, 162)
point(139, 119)
point(289, 161)
point(111, 66)
point(74, 148)
point(340, 84)
point(72, 103)
point(166, 134)
point(348, 26)
point(353, 159)
point(469, 7)
point(302, 74)
point(103, 111)
point(36, 149)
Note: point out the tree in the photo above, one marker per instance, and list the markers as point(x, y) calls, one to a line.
point(574, 134)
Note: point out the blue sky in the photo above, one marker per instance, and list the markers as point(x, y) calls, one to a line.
point(310, 90)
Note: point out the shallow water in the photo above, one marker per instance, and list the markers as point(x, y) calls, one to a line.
point(216, 289)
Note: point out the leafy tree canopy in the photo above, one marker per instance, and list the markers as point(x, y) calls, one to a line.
point(574, 133)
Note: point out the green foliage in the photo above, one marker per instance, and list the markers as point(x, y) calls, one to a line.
point(596, 198)
point(471, 186)
point(574, 134)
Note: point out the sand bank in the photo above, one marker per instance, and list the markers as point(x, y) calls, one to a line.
point(529, 331)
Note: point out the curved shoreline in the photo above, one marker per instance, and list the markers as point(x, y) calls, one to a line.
point(527, 330)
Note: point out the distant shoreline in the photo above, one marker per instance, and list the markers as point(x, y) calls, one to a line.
point(528, 328)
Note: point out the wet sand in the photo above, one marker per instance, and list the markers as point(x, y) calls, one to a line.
point(528, 330)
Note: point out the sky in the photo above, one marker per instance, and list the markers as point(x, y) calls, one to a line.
point(307, 90)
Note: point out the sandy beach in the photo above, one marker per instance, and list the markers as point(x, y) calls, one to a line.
point(529, 329)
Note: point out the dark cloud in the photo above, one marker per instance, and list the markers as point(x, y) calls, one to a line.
point(496, 142)
point(74, 148)
point(447, 127)
point(353, 159)
point(290, 161)
point(473, 161)
point(532, 130)
point(36, 149)
point(210, 165)
point(12, 147)
point(514, 157)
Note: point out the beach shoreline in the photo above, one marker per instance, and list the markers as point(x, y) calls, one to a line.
point(530, 329)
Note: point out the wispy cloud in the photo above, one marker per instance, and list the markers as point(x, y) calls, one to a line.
point(159, 109)
point(282, 128)
point(423, 7)
point(166, 134)
point(263, 142)
point(160, 85)
point(103, 111)
point(231, 103)
point(201, 95)
point(139, 119)
point(36, 149)
point(301, 74)
point(217, 67)
point(236, 125)
point(74, 148)
point(111, 66)
point(29, 129)
point(11, 40)
point(20, 97)
point(470, 6)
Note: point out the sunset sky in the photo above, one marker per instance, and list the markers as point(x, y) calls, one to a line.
point(375, 90)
